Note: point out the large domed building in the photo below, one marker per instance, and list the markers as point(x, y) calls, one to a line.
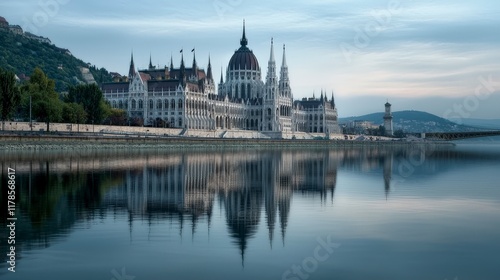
point(243, 77)
point(185, 97)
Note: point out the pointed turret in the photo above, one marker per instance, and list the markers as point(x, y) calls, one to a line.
point(271, 56)
point(333, 101)
point(221, 76)
point(195, 66)
point(131, 71)
point(150, 63)
point(284, 79)
point(171, 62)
point(210, 77)
point(182, 74)
point(283, 64)
point(271, 67)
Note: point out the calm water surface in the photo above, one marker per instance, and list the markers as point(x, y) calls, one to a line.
point(358, 213)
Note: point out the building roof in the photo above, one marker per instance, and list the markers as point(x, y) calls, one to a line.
point(3, 20)
point(162, 85)
point(115, 87)
point(243, 58)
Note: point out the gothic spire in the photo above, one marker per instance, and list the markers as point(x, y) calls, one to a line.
point(221, 76)
point(150, 62)
point(131, 71)
point(333, 101)
point(195, 66)
point(209, 70)
point(271, 57)
point(171, 62)
point(283, 64)
point(244, 41)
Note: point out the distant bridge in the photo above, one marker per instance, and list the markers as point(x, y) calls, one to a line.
point(450, 136)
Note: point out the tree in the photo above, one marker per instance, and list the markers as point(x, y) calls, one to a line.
point(116, 117)
point(92, 100)
point(74, 113)
point(399, 134)
point(9, 95)
point(45, 101)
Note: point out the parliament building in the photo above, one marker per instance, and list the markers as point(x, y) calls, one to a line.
point(188, 97)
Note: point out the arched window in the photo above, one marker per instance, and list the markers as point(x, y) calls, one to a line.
point(114, 103)
point(134, 104)
point(166, 104)
point(243, 92)
point(141, 104)
point(180, 122)
point(159, 104)
point(180, 104)
point(172, 104)
point(120, 104)
point(249, 91)
point(172, 122)
point(151, 105)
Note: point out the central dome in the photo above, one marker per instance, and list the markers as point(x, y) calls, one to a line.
point(243, 58)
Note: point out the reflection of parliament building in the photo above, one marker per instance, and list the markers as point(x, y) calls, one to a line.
point(244, 185)
point(186, 97)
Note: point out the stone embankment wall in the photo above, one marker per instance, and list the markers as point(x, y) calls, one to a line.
point(89, 128)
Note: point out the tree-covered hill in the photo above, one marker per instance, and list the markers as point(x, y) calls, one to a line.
point(413, 121)
point(22, 55)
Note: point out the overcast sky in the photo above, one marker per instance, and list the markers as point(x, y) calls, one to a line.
point(422, 55)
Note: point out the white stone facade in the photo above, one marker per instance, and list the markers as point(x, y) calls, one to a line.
point(186, 98)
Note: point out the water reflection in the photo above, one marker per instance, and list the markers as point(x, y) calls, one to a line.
point(254, 188)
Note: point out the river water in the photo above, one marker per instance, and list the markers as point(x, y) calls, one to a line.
point(348, 213)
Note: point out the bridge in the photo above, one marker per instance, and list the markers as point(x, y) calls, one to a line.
point(450, 136)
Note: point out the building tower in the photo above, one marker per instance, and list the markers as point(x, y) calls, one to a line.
point(271, 97)
point(388, 120)
point(243, 75)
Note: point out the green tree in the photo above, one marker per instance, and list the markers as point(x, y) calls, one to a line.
point(92, 100)
point(45, 101)
point(116, 117)
point(74, 113)
point(9, 95)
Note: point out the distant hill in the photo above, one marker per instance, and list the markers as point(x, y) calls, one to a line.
point(413, 121)
point(21, 55)
point(479, 123)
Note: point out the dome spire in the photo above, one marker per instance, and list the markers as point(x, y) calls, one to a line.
point(244, 41)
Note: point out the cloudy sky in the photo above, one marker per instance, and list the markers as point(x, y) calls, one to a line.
point(438, 56)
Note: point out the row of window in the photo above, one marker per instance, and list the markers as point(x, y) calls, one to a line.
point(140, 104)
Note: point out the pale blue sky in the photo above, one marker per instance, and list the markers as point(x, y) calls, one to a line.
point(423, 55)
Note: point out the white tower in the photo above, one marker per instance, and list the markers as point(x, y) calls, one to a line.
point(388, 120)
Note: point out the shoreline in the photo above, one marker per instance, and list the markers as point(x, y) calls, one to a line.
point(96, 142)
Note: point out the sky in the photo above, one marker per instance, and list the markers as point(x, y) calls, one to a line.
point(442, 57)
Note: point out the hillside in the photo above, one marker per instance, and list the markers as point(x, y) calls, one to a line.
point(413, 121)
point(22, 55)
point(480, 123)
